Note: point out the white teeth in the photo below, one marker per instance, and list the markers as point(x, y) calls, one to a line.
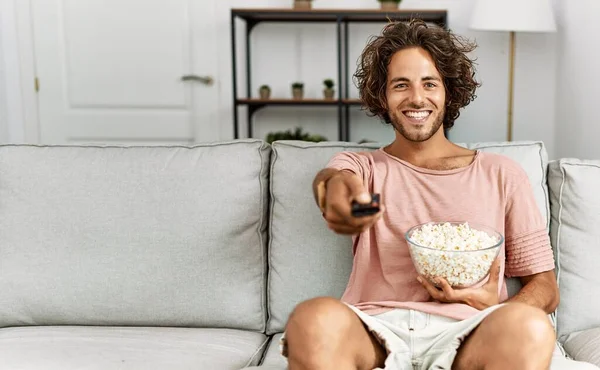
point(415, 114)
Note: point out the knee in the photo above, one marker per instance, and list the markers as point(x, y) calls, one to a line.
point(318, 317)
point(529, 325)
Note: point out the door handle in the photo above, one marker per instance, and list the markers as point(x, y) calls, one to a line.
point(207, 80)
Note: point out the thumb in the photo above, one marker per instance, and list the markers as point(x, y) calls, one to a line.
point(495, 270)
point(357, 189)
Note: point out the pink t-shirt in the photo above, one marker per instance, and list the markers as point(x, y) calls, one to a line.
point(493, 190)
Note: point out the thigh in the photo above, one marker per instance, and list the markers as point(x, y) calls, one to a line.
point(509, 335)
point(326, 324)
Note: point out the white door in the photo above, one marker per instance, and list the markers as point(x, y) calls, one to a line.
point(110, 71)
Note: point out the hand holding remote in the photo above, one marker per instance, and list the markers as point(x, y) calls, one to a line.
point(349, 208)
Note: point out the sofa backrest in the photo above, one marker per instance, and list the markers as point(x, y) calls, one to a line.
point(306, 259)
point(574, 186)
point(162, 236)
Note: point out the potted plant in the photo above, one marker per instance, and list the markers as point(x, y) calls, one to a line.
point(298, 90)
point(328, 92)
point(303, 4)
point(297, 134)
point(389, 4)
point(265, 92)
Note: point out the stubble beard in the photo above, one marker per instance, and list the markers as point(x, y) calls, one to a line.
point(418, 136)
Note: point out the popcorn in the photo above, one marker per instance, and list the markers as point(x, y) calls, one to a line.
point(448, 258)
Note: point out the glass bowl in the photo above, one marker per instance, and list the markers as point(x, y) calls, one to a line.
point(460, 252)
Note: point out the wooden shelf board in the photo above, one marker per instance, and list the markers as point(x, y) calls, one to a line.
point(307, 101)
point(331, 15)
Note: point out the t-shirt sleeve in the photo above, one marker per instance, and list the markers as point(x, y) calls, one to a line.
point(528, 248)
point(356, 163)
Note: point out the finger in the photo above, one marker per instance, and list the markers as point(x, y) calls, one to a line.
point(348, 228)
point(357, 189)
point(433, 291)
point(335, 215)
point(449, 293)
point(343, 229)
point(495, 271)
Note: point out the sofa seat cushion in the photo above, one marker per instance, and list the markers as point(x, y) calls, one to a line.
point(274, 359)
point(128, 348)
point(584, 345)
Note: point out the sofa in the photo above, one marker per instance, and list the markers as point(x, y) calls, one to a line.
point(175, 257)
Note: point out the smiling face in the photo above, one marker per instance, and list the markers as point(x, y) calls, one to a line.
point(416, 96)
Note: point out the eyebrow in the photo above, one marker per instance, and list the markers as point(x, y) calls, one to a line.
point(404, 79)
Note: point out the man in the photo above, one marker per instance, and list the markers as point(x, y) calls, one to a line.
point(417, 78)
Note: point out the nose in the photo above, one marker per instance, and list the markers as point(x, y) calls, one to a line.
point(417, 96)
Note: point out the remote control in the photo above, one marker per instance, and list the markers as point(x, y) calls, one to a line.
point(362, 210)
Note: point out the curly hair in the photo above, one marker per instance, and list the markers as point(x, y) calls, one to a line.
point(447, 50)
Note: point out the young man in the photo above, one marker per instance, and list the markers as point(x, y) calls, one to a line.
point(417, 78)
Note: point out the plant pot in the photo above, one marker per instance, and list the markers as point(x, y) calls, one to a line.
point(264, 94)
point(303, 4)
point(389, 5)
point(328, 93)
point(297, 93)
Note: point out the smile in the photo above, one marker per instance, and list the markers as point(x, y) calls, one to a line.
point(417, 115)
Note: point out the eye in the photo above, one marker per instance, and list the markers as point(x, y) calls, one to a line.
point(400, 86)
point(430, 85)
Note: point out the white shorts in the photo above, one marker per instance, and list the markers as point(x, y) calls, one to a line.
point(415, 340)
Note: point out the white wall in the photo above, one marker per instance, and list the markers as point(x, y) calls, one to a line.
point(3, 96)
point(545, 62)
point(308, 53)
point(578, 80)
point(11, 111)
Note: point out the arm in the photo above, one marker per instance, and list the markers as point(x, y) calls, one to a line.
point(334, 188)
point(539, 290)
point(319, 183)
point(345, 163)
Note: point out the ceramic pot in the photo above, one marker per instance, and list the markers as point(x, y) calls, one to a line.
point(389, 5)
point(303, 4)
point(297, 93)
point(264, 93)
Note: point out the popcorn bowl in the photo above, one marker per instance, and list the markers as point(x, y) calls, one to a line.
point(460, 252)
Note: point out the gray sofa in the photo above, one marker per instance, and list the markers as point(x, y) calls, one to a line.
point(193, 257)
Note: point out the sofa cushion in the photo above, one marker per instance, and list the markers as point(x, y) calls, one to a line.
point(148, 236)
point(575, 203)
point(306, 259)
point(584, 345)
point(532, 156)
point(273, 357)
point(116, 348)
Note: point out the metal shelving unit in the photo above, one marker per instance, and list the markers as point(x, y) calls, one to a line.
point(342, 18)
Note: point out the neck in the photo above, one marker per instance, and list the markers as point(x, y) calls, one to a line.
point(437, 146)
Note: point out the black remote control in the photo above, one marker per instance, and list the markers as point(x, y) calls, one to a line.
point(363, 210)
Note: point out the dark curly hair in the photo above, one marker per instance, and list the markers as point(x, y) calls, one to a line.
point(447, 50)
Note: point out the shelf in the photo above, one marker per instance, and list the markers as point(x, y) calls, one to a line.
point(333, 15)
point(263, 102)
point(342, 18)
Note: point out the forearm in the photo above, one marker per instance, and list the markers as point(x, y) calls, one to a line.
point(539, 292)
point(321, 177)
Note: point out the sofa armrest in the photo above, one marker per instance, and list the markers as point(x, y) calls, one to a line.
point(584, 345)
